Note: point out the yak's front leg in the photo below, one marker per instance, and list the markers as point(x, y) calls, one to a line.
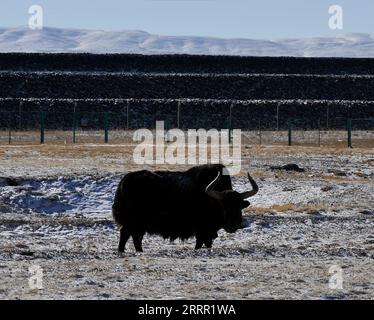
point(137, 238)
point(124, 236)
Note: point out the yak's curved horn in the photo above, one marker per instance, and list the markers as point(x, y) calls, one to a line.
point(254, 190)
point(209, 189)
point(213, 183)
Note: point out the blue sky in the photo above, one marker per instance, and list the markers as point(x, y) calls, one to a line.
point(220, 18)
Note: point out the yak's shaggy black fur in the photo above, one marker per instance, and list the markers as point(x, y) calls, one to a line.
point(175, 205)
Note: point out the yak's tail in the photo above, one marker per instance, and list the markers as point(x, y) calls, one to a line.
point(116, 207)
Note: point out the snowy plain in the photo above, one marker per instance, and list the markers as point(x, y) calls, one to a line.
point(55, 213)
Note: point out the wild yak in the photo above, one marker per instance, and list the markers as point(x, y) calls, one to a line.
point(197, 202)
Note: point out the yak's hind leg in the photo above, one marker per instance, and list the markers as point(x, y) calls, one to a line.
point(199, 243)
point(137, 238)
point(208, 243)
point(209, 240)
point(124, 236)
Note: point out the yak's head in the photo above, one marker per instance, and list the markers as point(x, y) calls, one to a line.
point(232, 202)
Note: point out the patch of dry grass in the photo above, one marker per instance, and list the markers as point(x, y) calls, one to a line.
point(116, 156)
point(307, 150)
point(281, 208)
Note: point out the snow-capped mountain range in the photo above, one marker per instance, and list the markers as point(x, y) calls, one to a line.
point(23, 39)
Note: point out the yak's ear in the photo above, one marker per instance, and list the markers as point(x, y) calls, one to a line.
point(245, 204)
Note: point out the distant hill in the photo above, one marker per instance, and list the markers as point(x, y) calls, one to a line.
point(22, 39)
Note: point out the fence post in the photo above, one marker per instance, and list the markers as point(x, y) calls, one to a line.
point(20, 115)
point(259, 131)
point(74, 127)
point(42, 126)
point(106, 135)
point(127, 116)
point(167, 127)
point(289, 132)
point(349, 131)
point(277, 117)
point(230, 123)
point(229, 129)
point(9, 128)
point(319, 132)
point(179, 114)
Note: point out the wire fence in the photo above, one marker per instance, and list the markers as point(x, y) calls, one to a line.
point(118, 128)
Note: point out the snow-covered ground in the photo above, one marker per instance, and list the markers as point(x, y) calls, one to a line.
point(55, 213)
point(23, 39)
point(84, 195)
